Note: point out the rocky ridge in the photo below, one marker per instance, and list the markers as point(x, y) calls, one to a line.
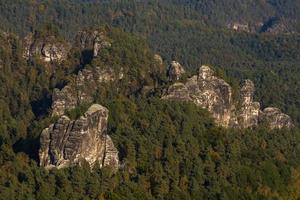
point(214, 94)
point(81, 89)
point(68, 142)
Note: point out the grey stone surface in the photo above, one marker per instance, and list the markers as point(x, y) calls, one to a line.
point(93, 40)
point(48, 49)
point(214, 94)
point(68, 142)
point(81, 89)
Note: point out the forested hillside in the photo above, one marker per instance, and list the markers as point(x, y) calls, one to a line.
point(143, 16)
point(265, 58)
point(167, 149)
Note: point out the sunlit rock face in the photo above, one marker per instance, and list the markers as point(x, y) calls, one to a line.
point(175, 71)
point(206, 91)
point(275, 119)
point(214, 94)
point(158, 59)
point(69, 142)
point(47, 48)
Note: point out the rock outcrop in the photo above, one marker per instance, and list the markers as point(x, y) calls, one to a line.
point(248, 111)
point(175, 71)
point(214, 94)
point(158, 59)
point(48, 48)
point(82, 89)
point(69, 142)
point(206, 91)
point(275, 119)
point(93, 40)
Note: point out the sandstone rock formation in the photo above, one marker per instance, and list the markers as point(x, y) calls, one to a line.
point(275, 118)
point(68, 142)
point(206, 91)
point(175, 71)
point(93, 40)
point(214, 94)
point(48, 48)
point(158, 59)
point(82, 89)
point(248, 111)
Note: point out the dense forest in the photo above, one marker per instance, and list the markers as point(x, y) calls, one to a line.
point(169, 150)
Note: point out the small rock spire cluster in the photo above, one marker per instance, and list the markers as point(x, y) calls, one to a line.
point(214, 94)
point(50, 48)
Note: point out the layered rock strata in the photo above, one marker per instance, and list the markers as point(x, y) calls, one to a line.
point(68, 142)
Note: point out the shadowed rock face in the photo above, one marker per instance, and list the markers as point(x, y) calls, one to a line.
point(214, 94)
point(68, 142)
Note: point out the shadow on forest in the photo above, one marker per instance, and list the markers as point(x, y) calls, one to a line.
point(87, 56)
point(29, 146)
point(41, 106)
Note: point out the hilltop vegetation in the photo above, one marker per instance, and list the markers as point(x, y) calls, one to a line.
point(168, 150)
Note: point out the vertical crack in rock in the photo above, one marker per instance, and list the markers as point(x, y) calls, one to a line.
point(68, 142)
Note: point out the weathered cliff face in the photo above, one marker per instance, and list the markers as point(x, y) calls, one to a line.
point(275, 119)
point(248, 111)
point(82, 89)
point(214, 94)
point(175, 71)
point(206, 91)
point(47, 48)
point(68, 142)
point(93, 40)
